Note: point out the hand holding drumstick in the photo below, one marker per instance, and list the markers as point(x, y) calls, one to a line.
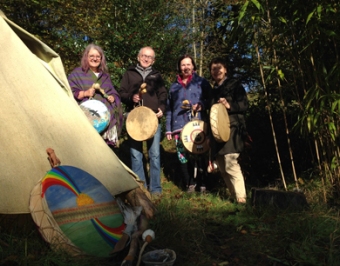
point(88, 93)
point(138, 96)
point(196, 107)
point(110, 98)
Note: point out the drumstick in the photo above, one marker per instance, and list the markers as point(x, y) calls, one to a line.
point(96, 86)
point(142, 90)
point(186, 104)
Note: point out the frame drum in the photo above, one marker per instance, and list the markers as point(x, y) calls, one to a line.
point(219, 122)
point(76, 213)
point(141, 123)
point(97, 113)
point(194, 136)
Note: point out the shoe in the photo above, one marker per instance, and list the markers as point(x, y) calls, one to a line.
point(156, 196)
point(203, 189)
point(191, 188)
point(241, 201)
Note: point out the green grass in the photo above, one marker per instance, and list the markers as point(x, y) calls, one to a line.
point(203, 229)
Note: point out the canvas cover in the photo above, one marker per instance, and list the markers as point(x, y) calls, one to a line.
point(38, 111)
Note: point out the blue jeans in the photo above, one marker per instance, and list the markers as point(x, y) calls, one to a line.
point(136, 151)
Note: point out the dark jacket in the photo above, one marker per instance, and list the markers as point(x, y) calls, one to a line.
point(234, 92)
point(154, 98)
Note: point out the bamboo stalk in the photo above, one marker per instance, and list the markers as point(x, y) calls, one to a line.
point(284, 111)
point(270, 115)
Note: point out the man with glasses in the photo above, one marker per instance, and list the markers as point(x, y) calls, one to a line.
point(155, 98)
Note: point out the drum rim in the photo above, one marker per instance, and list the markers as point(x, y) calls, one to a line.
point(153, 121)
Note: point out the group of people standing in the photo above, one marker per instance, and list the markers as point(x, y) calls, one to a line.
point(188, 86)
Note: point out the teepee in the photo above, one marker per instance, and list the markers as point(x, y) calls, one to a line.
point(38, 112)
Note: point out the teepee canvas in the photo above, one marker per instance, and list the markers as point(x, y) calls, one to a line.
point(38, 112)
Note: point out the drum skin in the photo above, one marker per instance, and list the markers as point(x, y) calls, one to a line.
point(97, 113)
point(194, 136)
point(141, 123)
point(219, 122)
point(75, 212)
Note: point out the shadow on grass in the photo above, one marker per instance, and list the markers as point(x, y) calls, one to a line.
point(171, 170)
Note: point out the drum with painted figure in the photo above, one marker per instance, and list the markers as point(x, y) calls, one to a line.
point(97, 113)
point(219, 122)
point(141, 123)
point(194, 136)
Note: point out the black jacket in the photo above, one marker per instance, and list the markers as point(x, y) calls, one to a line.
point(154, 98)
point(235, 94)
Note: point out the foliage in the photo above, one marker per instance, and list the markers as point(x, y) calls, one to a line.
point(295, 73)
point(297, 77)
point(120, 27)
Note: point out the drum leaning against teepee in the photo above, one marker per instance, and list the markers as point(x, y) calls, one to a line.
point(219, 122)
point(76, 213)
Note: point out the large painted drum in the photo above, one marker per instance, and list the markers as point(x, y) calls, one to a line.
point(194, 136)
point(219, 122)
point(97, 113)
point(141, 123)
point(76, 213)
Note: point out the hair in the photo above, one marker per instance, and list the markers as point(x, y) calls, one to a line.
point(218, 60)
point(84, 60)
point(180, 60)
point(147, 47)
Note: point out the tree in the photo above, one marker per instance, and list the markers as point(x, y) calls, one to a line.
point(120, 27)
point(299, 47)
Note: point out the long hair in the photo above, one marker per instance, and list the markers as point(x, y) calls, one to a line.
point(180, 60)
point(84, 60)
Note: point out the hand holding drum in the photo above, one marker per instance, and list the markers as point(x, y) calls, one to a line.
point(224, 102)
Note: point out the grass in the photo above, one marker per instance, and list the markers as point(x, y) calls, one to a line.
point(203, 229)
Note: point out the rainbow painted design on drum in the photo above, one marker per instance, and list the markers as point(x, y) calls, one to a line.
point(84, 209)
point(97, 113)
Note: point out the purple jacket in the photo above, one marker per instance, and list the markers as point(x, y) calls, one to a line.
point(81, 81)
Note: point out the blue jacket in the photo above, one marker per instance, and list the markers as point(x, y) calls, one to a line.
point(197, 91)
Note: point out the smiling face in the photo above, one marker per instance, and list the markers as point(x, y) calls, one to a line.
point(186, 67)
point(146, 57)
point(218, 72)
point(94, 59)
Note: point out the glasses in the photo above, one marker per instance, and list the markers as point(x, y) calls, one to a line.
point(147, 56)
point(95, 56)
